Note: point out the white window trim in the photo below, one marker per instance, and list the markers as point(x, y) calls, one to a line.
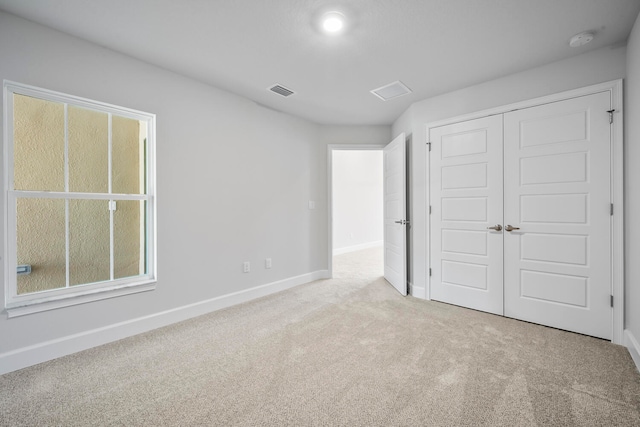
point(19, 305)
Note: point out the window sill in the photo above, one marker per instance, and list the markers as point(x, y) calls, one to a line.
point(40, 306)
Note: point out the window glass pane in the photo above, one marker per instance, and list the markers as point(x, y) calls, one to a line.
point(129, 238)
point(127, 147)
point(88, 150)
point(89, 241)
point(41, 244)
point(38, 152)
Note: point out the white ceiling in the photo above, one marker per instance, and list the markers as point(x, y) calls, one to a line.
point(245, 46)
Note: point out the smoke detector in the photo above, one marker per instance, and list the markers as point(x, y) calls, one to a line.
point(581, 39)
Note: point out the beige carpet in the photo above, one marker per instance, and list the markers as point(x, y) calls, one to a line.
point(344, 352)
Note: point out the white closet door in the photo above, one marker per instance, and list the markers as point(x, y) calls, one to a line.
point(395, 224)
point(557, 192)
point(466, 199)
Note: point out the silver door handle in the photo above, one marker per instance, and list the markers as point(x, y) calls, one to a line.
point(511, 228)
point(399, 222)
point(496, 227)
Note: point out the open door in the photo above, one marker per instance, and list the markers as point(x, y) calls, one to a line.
point(395, 220)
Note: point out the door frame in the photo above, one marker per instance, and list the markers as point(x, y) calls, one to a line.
point(615, 90)
point(330, 149)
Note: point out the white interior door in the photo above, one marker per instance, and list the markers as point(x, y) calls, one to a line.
point(466, 199)
point(557, 192)
point(395, 248)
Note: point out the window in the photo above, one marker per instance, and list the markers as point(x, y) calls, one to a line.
point(80, 206)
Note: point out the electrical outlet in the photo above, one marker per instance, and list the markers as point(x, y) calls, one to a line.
point(267, 263)
point(246, 267)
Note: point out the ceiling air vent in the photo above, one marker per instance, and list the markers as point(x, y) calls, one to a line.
point(390, 91)
point(281, 90)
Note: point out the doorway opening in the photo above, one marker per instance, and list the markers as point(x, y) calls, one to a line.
point(356, 223)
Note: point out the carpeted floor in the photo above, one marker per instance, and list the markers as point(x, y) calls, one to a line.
point(343, 352)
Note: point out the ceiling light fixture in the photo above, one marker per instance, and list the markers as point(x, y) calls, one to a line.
point(333, 22)
point(581, 39)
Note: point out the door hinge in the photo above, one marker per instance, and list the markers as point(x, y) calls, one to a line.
point(429, 209)
point(611, 115)
point(429, 145)
point(429, 272)
point(611, 209)
point(611, 300)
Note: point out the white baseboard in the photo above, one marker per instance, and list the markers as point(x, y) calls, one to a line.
point(340, 251)
point(49, 350)
point(634, 348)
point(417, 291)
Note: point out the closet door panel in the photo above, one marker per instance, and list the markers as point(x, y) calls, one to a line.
point(557, 194)
point(466, 199)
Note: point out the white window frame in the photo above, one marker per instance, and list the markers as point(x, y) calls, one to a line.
point(18, 305)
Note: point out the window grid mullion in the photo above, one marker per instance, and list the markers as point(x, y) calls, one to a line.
point(109, 154)
point(66, 201)
point(67, 242)
point(111, 202)
point(66, 148)
point(26, 194)
point(111, 255)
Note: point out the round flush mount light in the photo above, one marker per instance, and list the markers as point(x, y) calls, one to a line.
point(333, 22)
point(581, 39)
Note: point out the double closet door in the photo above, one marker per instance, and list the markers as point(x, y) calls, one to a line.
point(520, 220)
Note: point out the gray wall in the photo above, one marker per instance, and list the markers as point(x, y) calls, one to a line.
point(582, 70)
point(632, 184)
point(234, 180)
